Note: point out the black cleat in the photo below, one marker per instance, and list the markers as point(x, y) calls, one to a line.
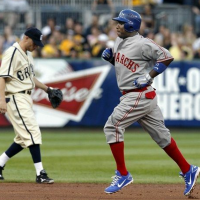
point(43, 178)
point(1, 173)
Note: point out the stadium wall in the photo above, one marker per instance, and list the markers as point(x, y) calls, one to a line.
point(91, 93)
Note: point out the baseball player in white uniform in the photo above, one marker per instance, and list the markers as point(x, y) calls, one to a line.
point(16, 82)
point(137, 61)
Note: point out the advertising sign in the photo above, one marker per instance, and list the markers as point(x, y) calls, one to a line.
point(90, 93)
point(178, 90)
point(79, 89)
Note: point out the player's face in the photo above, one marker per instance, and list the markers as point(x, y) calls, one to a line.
point(30, 45)
point(121, 31)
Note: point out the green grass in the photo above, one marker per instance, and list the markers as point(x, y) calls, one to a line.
point(75, 155)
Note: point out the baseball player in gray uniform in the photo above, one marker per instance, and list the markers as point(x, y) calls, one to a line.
point(137, 61)
point(16, 82)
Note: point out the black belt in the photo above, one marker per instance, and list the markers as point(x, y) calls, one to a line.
point(25, 92)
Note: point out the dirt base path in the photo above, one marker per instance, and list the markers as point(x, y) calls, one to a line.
point(69, 191)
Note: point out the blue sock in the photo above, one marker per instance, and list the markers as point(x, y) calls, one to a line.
point(13, 150)
point(35, 152)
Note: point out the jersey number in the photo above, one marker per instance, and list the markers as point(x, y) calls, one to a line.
point(23, 74)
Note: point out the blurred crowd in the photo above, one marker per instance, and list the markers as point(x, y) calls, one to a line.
point(75, 40)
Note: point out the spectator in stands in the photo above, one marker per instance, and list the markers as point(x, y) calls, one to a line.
point(196, 11)
point(188, 34)
point(196, 47)
point(79, 49)
point(100, 46)
point(79, 34)
point(78, 29)
point(143, 29)
point(94, 23)
point(69, 27)
point(50, 50)
point(59, 36)
point(179, 49)
point(163, 37)
point(110, 44)
point(110, 29)
point(148, 16)
point(16, 10)
point(8, 38)
point(104, 9)
point(137, 2)
point(73, 41)
point(93, 37)
point(151, 35)
point(167, 39)
point(133, 2)
point(158, 39)
point(66, 45)
point(141, 2)
point(37, 53)
point(48, 29)
point(78, 45)
point(86, 55)
point(73, 53)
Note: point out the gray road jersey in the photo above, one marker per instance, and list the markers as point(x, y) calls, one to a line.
point(134, 57)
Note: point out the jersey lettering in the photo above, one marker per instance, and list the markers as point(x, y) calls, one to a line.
point(135, 67)
point(117, 57)
point(128, 63)
point(122, 59)
point(27, 74)
point(21, 76)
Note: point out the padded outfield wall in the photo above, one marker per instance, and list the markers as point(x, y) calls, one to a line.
point(91, 93)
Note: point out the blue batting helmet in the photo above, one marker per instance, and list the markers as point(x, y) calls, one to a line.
point(132, 20)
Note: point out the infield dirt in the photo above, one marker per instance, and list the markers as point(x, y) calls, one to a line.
point(81, 191)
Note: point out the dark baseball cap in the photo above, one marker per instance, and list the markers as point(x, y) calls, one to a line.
point(35, 35)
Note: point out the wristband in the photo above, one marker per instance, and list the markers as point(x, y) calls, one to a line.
point(149, 79)
point(159, 67)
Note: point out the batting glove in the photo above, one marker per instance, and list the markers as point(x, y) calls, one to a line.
point(107, 55)
point(143, 81)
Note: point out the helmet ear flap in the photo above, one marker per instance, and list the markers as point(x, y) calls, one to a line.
point(128, 27)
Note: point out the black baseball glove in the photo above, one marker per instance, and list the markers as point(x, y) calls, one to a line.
point(55, 96)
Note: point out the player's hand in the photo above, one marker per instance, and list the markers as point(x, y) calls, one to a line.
point(3, 107)
point(143, 81)
point(107, 54)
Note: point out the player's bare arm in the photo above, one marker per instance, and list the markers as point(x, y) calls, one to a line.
point(3, 107)
point(40, 85)
point(55, 95)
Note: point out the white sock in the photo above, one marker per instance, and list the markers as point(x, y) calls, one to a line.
point(38, 168)
point(3, 159)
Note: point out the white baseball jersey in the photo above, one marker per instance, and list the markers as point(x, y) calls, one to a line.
point(17, 66)
point(134, 57)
